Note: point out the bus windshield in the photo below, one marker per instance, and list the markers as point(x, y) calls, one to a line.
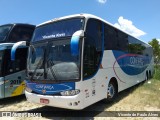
point(62, 28)
point(54, 62)
point(4, 30)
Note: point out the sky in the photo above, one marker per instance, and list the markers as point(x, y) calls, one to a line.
point(141, 18)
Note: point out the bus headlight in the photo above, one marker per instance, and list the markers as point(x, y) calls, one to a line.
point(70, 92)
point(28, 89)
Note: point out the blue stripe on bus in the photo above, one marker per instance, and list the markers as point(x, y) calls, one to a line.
point(50, 89)
point(131, 64)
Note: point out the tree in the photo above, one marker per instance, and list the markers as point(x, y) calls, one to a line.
point(156, 50)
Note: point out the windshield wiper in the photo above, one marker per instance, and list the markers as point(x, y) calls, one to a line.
point(50, 64)
point(39, 63)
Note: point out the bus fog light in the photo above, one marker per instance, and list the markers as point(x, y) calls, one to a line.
point(70, 92)
point(28, 89)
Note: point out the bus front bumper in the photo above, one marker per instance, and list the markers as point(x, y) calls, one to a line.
point(68, 102)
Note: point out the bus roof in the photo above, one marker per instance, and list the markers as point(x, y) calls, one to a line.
point(24, 24)
point(88, 16)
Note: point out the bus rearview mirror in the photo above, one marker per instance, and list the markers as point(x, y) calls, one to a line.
point(75, 45)
point(14, 48)
point(75, 42)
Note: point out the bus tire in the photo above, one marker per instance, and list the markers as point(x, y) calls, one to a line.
point(111, 92)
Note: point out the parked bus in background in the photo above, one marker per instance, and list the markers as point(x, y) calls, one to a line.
point(12, 73)
point(77, 60)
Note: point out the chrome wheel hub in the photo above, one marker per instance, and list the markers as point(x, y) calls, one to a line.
point(111, 90)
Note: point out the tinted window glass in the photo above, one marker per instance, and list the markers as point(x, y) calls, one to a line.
point(21, 33)
point(4, 30)
point(17, 65)
point(115, 39)
point(135, 46)
point(110, 39)
point(92, 47)
point(122, 41)
point(58, 29)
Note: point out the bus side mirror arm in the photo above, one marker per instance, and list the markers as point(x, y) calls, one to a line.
point(14, 48)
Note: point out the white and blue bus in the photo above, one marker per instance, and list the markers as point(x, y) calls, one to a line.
point(12, 73)
point(77, 60)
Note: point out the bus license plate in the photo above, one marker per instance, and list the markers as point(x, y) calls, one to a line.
point(44, 101)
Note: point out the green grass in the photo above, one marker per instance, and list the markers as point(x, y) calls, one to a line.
point(149, 93)
point(157, 73)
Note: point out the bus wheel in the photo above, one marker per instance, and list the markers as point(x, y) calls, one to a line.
point(112, 92)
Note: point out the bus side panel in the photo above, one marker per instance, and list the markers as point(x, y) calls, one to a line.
point(1, 87)
point(117, 66)
point(14, 84)
point(94, 89)
point(113, 70)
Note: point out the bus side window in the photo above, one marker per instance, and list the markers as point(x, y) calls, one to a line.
point(21, 33)
point(136, 47)
point(17, 65)
point(110, 38)
point(123, 41)
point(114, 39)
point(13, 37)
point(21, 60)
point(92, 47)
point(10, 65)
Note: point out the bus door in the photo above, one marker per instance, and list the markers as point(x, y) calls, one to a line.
point(93, 50)
point(14, 72)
